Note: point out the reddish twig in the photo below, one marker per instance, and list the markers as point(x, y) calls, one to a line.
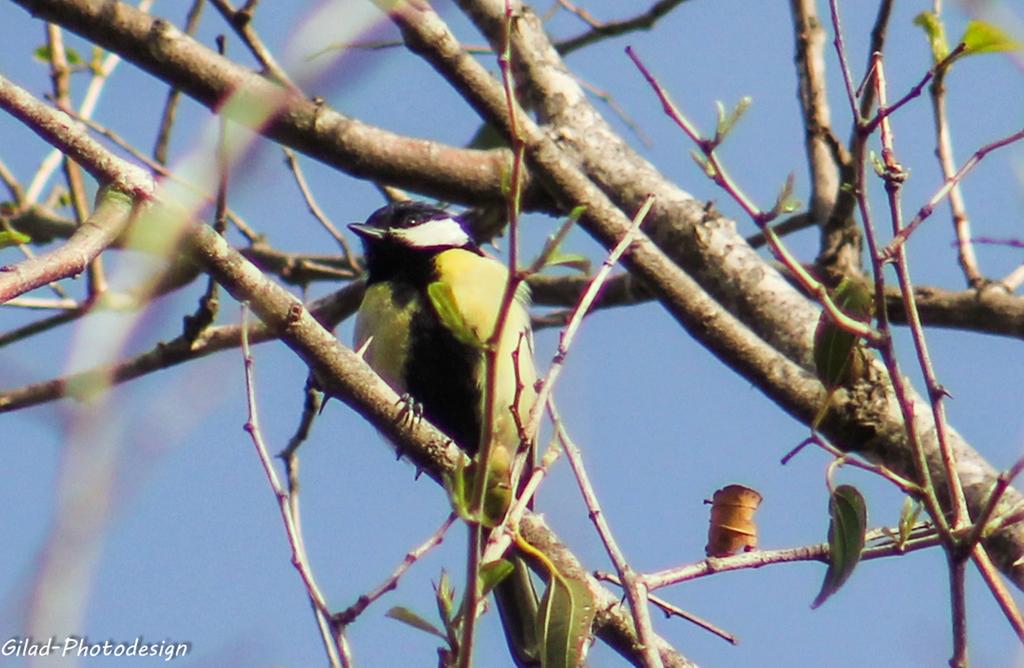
point(349, 614)
point(944, 190)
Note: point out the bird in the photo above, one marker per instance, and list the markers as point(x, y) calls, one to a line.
point(431, 305)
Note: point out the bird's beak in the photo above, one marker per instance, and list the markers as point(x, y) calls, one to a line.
point(368, 232)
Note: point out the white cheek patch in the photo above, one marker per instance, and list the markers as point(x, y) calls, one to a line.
point(441, 232)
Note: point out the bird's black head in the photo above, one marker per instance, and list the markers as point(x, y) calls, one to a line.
point(416, 226)
point(401, 236)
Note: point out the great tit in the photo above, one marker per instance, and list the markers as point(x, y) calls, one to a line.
point(412, 251)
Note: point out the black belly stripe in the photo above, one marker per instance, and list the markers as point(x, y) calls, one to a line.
point(441, 373)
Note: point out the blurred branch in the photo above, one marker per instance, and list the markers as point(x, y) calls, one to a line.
point(12, 184)
point(53, 126)
point(60, 76)
point(819, 140)
point(163, 134)
point(947, 163)
point(160, 169)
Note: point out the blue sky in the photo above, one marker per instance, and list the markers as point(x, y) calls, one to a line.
point(188, 544)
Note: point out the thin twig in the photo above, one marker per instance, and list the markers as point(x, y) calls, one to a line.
point(42, 304)
point(760, 558)
point(672, 610)
point(293, 531)
point(579, 312)
point(1003, 483)
point(349, 614)
point(209, 303)
point(89, 101)
point(885, 345)
point(210, 198)
point(635, 587)
point(884, 111)
point(815, 113)
point(487, 444)
point(241, 23)
point(848, 459)
point(618, 110)
point(958, 605)
point(39, 326)
point(603, 30)
point(944, 154)
point(163, 134)
point(60, 75)
point(12, 184)
point(894, 176)
point(947, 186)
point(314, 208)
point(716, 172)
point(1003, 598)
point(844, 65)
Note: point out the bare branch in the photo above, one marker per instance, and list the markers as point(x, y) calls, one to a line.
point(813, 96)
point(603, 30)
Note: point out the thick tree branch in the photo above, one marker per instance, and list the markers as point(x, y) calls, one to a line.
point(313, 128)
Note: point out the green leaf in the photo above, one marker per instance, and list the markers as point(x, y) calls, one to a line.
point(566, 614)
point(845, 538)
point(877, 164)
point(443, 300)
point(727, 121)
point(445, 595)
point(575, 261)
point(42, 54)
point(908, 518)
point(550, 255)
point(785, 202)
point(836, 358)
point(983, 37)
point(457, 484)
point(704, 164)
point(13, 238)
point(492, 573)
point(936, 32)
point(407, 616)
